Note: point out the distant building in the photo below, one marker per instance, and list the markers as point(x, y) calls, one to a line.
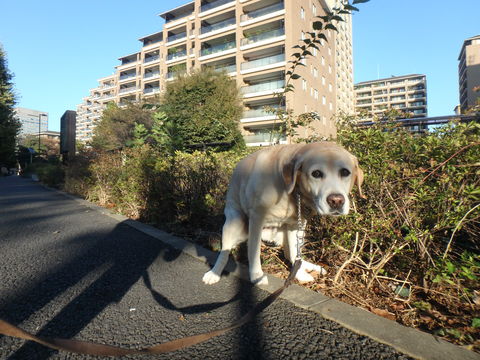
point(252, 42)
point(30, 120)
point(407, 93)
point(469, 72)
point(67, 134)
point(49, 134)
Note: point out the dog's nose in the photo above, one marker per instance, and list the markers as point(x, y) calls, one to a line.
point(336, 201)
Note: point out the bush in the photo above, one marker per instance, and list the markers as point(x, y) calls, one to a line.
point(51, 173)
point(411, 247)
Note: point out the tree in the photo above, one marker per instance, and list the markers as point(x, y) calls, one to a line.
point(116, 128)
point(9, 125)
point(201, 108)
point(48, 146)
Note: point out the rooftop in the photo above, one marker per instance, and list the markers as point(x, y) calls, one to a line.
point(389, 78)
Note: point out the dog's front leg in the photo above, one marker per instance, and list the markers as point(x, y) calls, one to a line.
point(290, 252)
point(255, 226)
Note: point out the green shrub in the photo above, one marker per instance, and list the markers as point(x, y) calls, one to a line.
point(50, 173)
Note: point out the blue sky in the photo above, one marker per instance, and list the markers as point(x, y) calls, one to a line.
point(58, 49)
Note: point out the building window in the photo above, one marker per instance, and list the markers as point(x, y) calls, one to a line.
point(302, 13)
point(324, 100)
point(330, 87)
point(315, 72)
point(304, 84)
point(314, 10)
point(323, 80)
point(315, 92)
point(302, 36)
point(323, 60)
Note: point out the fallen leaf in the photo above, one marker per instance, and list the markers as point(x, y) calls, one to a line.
point(384, 313)
point(398, 306)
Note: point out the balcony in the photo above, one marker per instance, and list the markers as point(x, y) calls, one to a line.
point(174, 74)
point(176, 37)
point(178, 15)
point(263, 88)
point(151, 75)
point(418, 87)
point(150, 59)
point(175, 56)
point(127, 76)
point(416, 104)
point(151, 90)
point(227, 68)
point(215, 4)
point(264, 138)
point(265, 36)
point(217, 48)
point(206, 29)
point(128, 90)
point(268, 10)
point(260, 114)
point(262, 63)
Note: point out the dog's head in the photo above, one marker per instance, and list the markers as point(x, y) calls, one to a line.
point(325, 174)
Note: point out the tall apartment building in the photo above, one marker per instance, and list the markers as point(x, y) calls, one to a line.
point(469, 72)
point(252, 41)
point(407, 93)
point(32, 121)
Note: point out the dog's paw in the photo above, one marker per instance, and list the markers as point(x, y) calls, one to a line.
point(210, 278)
point(259, 279)
point(303, 277)
point(309, 267)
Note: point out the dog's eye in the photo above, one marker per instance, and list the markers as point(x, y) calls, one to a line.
point(344, 172)
point(317, 174)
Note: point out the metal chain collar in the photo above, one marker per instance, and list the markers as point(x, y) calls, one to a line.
point(301, 224)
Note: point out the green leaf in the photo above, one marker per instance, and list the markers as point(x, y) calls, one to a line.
point(359, 1)
point(450, 267)
point(295, 76)
point(476, 322)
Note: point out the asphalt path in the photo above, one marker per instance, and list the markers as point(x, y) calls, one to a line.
point(69, 271)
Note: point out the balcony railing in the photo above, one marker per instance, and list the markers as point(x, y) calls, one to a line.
point(151, 58)
point(177, 55)
point(217, 26)
point(214, 4)
point(264, 137)
point(174, 74)
point(151, 74)
point(263, 62)
point(218, 48)
point(227, 68)
point(176, 37)
point(263, 11)
point(260, 112)
point(151, 90)
point(265, 86)
point(127, 76)
point(263, 36)
point(128, 89)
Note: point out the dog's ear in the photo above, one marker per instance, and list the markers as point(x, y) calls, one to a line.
point(290, 173)
point(357, 178)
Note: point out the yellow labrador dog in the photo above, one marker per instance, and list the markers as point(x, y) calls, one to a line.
point(261, 200)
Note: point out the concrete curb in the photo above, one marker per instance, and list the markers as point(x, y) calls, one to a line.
point(409, 341)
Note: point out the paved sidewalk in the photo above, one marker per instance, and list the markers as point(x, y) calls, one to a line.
point(71, 269)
